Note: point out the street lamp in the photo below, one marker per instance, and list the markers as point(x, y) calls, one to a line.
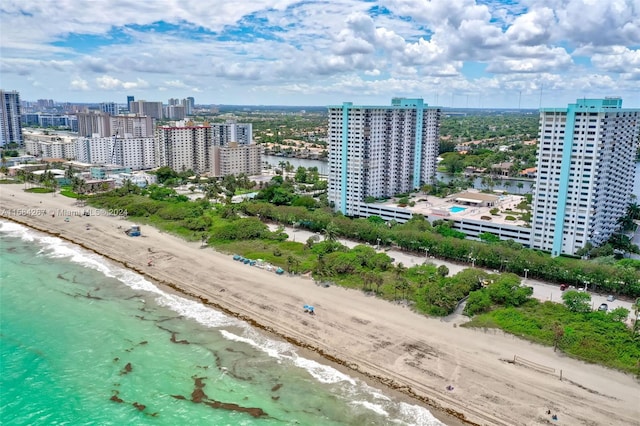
point(426, 252)
point(378, 245)
point(525, 273)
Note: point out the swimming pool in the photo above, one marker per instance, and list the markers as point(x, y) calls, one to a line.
point(457, 209)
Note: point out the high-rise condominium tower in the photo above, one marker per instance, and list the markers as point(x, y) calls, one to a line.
point(10, 129)
point(151, 109)
point(380, 151)
point(110, 108)
point(586, 159)
point(184, 148)
point(231, 131)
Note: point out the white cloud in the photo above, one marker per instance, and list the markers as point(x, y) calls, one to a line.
point(177, 84)
point(532, 28)
point(317, 49)
point(79, 84)
point(107, 82)
point(618, 59)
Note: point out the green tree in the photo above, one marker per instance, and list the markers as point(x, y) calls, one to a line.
point(577, 301)
point(619, 314)
point(301, 175)
point(331, 232)
point(165, 173)
point(443, 271)
point(488, 237)
point(477, 303)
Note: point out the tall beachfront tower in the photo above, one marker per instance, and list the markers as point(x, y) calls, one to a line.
point(380, 151)
point(10, 128)
point(184, 148)
point(586, 159)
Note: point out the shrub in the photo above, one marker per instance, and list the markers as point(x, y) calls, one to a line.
point(509, 218)
point(477, 303)
point(494, 211)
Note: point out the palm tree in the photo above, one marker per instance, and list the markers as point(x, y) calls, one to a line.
point(3, 164)
point(403, 286)
point(331, 232)
point(69, 172)
point(366, 280)
point(400, 270)
point(520, 185)
point(626, 223)
point(633, 211)
point(378, 280)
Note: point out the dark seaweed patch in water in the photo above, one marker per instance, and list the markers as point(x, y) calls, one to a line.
point(173, 339)
point(127, 369)
point(198, 396)
point(115, 397)
point(140, 407)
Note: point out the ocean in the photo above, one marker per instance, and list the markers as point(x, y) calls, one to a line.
point(84, 341)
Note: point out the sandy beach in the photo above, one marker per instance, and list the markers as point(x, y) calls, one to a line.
point(387, 343)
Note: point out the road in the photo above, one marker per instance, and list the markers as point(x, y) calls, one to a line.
point(542, 290)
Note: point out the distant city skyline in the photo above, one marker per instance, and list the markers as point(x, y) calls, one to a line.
point(468, 53)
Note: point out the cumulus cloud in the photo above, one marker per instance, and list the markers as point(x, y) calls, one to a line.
point(107, 82)
point(79, 84)
point(618, 59)
point(599, 22)
point(532, 28)
point(177, 84)
point(415, 45)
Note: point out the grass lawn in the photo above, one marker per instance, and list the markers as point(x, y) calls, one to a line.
point(39, 190)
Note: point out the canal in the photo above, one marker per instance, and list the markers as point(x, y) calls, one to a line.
point(510, 185)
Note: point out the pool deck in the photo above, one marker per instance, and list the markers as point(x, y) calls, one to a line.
point(431, 206)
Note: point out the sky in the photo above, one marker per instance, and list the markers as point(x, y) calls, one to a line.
point(452, 53)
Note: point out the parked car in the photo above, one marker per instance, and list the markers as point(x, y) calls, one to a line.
point(603, 307)
point(563, 287)
point(611, 298)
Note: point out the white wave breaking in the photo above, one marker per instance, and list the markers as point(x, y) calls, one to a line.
point(53, 247)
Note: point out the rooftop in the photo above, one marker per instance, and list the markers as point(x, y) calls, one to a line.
point(464, 205)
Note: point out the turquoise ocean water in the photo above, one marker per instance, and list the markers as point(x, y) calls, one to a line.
point(86, 342)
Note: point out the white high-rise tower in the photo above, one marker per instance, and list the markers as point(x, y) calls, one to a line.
point(586, 160)
point(10, 127)
point(380, 151)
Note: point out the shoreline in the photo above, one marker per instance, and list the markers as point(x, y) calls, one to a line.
point(385, 344)
point(405, 393)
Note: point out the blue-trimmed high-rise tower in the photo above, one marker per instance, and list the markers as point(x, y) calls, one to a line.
point(380, 151)
point(586, 163)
